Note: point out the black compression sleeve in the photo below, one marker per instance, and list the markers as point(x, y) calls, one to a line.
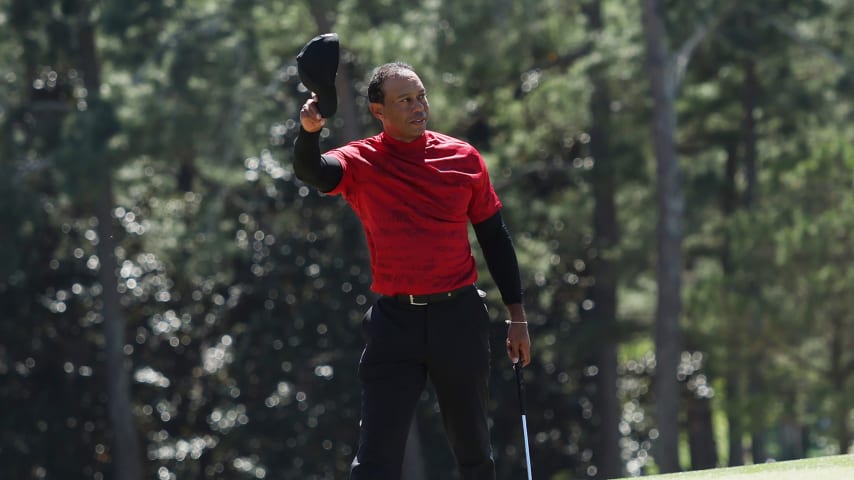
point(311, 167)
point(500, 256)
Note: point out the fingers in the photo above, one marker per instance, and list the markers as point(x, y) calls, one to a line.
point(310, 117)
point(309, 110)
point(512, 352)
point(523, 353)
point(519, 354)
point(519, 345)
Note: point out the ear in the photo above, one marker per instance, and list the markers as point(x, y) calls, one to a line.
point(376, 110)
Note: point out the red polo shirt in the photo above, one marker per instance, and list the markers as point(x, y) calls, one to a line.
point(415, 201)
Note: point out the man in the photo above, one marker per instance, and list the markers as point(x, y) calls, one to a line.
point(415, 191)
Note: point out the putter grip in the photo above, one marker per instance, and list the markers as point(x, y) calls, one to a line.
point(520, 386)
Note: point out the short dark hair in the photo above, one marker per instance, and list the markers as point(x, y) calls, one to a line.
point(380, 74)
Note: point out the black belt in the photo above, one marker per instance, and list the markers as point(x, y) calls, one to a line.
point(430, 298)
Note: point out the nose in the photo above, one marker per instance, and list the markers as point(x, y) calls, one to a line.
point(420, 105)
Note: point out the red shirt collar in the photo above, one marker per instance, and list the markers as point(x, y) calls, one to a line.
point(415, 145)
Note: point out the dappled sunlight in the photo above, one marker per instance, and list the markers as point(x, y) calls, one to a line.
point(151, 377)
point(225, 419)
point(216, 357)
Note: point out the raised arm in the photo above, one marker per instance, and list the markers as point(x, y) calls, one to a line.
point(321, 172)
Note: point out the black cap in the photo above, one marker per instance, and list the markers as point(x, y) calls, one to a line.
point(317, 65)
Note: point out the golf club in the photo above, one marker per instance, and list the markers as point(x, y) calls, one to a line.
point(520, 387)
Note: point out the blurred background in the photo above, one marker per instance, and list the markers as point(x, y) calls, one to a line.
point(677, 178)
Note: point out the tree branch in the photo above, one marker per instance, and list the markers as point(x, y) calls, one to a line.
point(679, 62)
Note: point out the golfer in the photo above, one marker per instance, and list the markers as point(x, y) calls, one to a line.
point(415, 191)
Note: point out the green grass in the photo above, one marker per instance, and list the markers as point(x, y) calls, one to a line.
point(839, 467)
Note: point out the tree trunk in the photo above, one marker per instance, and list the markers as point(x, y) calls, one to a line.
point(347, 103)
point(603, 293)
point(347, 114)
point(756, 383)
point(791, 437)
point(839, 374)
point(669, 264)
point(126, 449)
point(701, 440)
point(734, 415)
point(749, 95)
point(127, 463)
point(733, 330)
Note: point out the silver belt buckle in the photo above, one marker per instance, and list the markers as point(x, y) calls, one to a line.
point(413, 302)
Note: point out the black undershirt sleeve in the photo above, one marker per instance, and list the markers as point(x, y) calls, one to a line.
point(319, 171)
point(500, 256)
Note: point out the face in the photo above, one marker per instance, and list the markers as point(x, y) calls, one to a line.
point(404, 110)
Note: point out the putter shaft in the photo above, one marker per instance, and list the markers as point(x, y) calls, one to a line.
point(520, 387)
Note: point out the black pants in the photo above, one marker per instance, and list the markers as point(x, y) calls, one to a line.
point(445, 341)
